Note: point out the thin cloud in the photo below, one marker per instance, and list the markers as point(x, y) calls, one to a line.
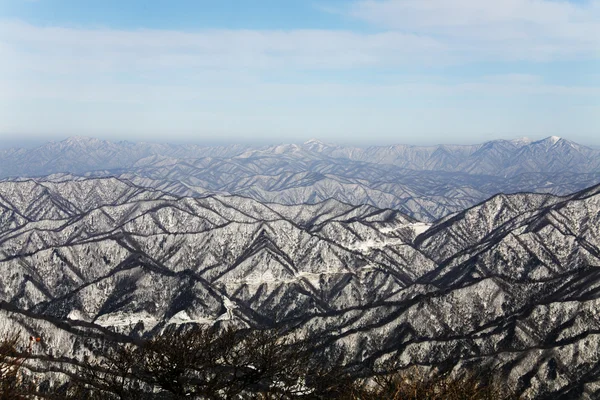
point(494, 30)
point(104, 49)
point(55, 79)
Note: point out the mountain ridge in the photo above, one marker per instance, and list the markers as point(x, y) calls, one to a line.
point(315, 171)
point(510, 282)
point(139, 150)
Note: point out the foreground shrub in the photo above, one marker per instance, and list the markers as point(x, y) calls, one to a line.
point(415, 384)
point(234, 364)
point(208, 363)
point(14, 384)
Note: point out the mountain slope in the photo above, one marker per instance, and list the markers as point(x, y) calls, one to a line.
point(511, 283)
point(426, 183)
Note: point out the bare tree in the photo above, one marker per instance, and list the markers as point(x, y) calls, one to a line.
point(211, 363)
point(14, 384)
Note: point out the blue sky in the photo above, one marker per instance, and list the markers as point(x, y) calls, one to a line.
point(363, 71)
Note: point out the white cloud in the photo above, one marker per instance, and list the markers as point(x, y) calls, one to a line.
point(30, 46)
point(254, 93)
point(494, 30)
point(412, 32)
point(55, 79)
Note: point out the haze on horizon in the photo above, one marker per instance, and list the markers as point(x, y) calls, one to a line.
point(357, 71)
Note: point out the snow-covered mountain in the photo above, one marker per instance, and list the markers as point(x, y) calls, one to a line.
point(80, 154)
point(497, 158)
point(426, 183)
point(510, 283)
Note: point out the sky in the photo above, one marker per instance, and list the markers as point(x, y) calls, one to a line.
point(355, 71)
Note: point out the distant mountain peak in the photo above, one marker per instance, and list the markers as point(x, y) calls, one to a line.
point(81, 139)
point(554, 139)
point(316, 145)
point(522, 141)
point(313, 141)
point(81, 142)
point(548, 142)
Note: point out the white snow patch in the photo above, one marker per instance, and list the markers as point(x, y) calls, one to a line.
point(417, 227)
point(118, 319)
point(264, 277)
point(312, 277)
point(420, 227)
point(182, 317)
point(367, 245)
point(522, 141)
point(229, 307)
point(76, 315)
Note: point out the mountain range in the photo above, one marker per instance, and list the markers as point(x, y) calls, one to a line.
point(510, 283)
point(426, 183)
